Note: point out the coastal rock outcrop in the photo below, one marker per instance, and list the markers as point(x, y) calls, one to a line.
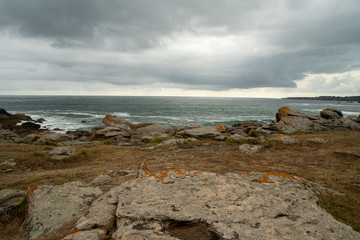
point(290, 112)
point(331, 113)
point(18, 123)
point(292, 121)
point(177, 203)
point(147, 132)
point(213, 132)
point(117, 122)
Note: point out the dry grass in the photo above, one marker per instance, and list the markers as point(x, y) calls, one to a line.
point(316, 162)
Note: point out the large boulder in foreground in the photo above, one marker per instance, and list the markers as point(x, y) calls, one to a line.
point(49, 207)
point(176, 203)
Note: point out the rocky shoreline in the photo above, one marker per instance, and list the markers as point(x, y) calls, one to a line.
point(19, 128)
point(160, 205)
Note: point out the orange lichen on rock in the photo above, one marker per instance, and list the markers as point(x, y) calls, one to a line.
point(265, 178)
point(196, 173)
point(142, 167)
point(108, 116)
point(158, 233)
point(160, 176)
point(205, 179)
point(278, 136)
point(284, 110)
point(29, 193)
point(220, 128)
point(288, 117)
point(75, 230)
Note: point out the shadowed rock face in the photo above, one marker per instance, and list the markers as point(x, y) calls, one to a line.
point(10, 121)
point(191, 205)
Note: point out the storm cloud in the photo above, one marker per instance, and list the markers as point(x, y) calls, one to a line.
point(204, 44)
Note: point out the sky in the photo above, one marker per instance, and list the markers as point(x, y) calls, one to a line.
point(227, 48)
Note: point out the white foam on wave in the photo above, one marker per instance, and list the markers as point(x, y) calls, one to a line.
point(350, 113)
point(121, 114)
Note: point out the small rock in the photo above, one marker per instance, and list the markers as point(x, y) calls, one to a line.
point(8, 170)
point(102, 178)
point(176, 141)
point(353, 118)
point(83, 121)
point(142, 170)
point(284, 139)
point(247, 148)
point(40, 120)
point(62, 152)
point(9, 163)
point(29, 138)
point(317, 140)
point(348, 153)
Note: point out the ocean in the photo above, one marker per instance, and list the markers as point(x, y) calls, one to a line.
point(85, 112)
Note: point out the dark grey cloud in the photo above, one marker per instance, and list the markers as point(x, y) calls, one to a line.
point(129, 42)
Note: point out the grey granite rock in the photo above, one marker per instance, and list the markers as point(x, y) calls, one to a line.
point(232, 206)
point(49, 207)
point(9, 163)
point(62, 152)
point(95, 234)
point(331, 113)
point(202, 132)
point(117, 122)
point(247, 148)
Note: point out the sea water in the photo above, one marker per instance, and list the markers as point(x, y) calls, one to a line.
point(86, 112)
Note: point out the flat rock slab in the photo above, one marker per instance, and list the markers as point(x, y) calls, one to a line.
point(348, 153)
point(202, 132)
point(229, 206)
point(62, 152)
point(49, 207)
point(9, 163)
point(247, 148)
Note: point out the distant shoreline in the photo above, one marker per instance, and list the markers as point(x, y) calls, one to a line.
point(329, 98)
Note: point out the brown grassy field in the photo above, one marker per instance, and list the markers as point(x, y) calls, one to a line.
point(316, 162)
